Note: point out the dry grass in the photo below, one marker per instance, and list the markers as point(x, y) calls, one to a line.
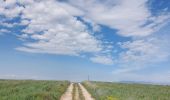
point(120, 91)
point(32, 90)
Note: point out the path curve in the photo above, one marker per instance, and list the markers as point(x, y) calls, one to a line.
point(85, 93)
point(68, 94)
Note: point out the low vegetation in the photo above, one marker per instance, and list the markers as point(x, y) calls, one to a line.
point(32, 90)
point(122, 91)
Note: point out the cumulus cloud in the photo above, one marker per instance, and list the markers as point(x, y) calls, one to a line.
point(129, 17)
point(60, 28)
point(56, 30)
point(10, 9)
point(53, 29)
point(139, 54)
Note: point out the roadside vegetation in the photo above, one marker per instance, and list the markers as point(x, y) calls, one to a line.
point(32, 90)
point(123, 91)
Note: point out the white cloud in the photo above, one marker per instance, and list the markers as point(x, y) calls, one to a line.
point(129, 17)
point(9, 8)
point(143, 53)
point(8, 25)
point(2, 31)
point(56, 30)
point(102, 60)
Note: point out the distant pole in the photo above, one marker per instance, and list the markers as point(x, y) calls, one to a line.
point(88, 78)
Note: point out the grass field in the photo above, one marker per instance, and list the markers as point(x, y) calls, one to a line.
point(32, 90)
point(122, 91)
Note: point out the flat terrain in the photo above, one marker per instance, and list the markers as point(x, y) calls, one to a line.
point(122, 91)
point(64, 90)
point(32, 90)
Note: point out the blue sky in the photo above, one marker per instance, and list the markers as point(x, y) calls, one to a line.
point(109, 40)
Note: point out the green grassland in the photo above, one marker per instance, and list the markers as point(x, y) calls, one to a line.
point(32, 90)
point(122, 91)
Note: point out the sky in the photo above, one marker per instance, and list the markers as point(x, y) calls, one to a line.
point(107, 40)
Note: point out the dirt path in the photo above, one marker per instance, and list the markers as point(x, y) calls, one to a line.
point(68, 94)
point(86, 94)
point(76, 92)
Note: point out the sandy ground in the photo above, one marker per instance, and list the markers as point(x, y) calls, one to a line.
point(86, 94)
point(68, 94)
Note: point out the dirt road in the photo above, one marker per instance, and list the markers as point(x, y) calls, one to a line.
point(86, 94)
point(76, 93)
point(68, 94)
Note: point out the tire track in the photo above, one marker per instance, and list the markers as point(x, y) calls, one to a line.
point(68, 94)
point(85, 93)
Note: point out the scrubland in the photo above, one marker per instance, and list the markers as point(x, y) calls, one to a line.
point(32, 90)
point(124, 91)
